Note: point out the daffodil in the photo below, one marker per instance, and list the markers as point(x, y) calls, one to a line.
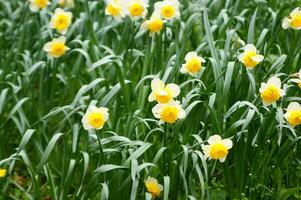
point(66, 3)
point(36, 5)
point(153, 187)
point(293, 21)
point(136, 8)
point(193, 63)
point(169, 112)
point(249, 57)
point(271, 91)
point(168, 9)
point(3, 173)
point(153, 25)
point(56, 48)
point(95, 118)
point(297, 80)
point(163, 93)
point(293, 114)
point(61, 20)
point(115, 8)
point(217, 149)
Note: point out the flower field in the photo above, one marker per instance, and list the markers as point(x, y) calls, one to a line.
point(150, 99)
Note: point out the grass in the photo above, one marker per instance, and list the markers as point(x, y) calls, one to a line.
point(111, 63)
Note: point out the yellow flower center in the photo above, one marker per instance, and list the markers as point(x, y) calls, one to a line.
point(270, 94)
point(3, 172)
point(218, 151)
point(169, 114)
point(153, 188)
point(194, 65)
point(155, 25)
point(168, 11)
point(57, 49)
point(113, 10)
point(299, 85)
point(296, 21)
point(163, 96)
point(136, 9)
point(41, 3)
point(61, 21)
point(96, 120)
point(247, 59)
point(294, 117)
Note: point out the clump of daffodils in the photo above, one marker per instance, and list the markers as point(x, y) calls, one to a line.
point(3, 172)
point(193, 63)
point(95, 118)
point(293, 114)
point(169, 112)
point(56, 48)
point(153, 187)
point(163, 93)
point(271, 91)
point(36, 5)
point(61, 20)
point(168, 9)
point(66, 3)
point(249, 57)
point(115, 8)
point(293, 20)
point(153, 25)
point(217, 149)
point(136, 8)
point(297, 80)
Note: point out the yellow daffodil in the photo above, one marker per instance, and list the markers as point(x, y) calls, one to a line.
point(115, 8)
point(61, 20)
point(163, 93)
point(136, 8)
point(217, 148)
point(153, 25)
point(293, 21)
point(193, 63)
point(293, 114)
point(168, 9)
point(56, 48)
point(249, 57)
point(271, 91)
point(95, 118)
point(297, 80)
point(169, 112)
point(153, 187)
point(66, 3)
point(36, 5)
point(3, 173)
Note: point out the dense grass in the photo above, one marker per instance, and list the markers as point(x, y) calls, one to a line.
point(111, 63)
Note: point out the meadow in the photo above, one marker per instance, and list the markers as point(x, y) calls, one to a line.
point(150, 99)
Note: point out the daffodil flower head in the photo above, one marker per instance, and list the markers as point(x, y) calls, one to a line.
point(153, 187)
point(153, 25)
point(163, 93)
point(293, 114)
point(217, 149)
point(66, 3)
point(56, 48)
point(36, 5)
point(95, 118)
point(168, 9)
point(293, 21)
point(3, 172)
point(136, 8)
point(249, 57)
point(61, 20)
point(115, 8)
point(193, 63)
point(297, 80)
point(169, 112)
point(271, 91)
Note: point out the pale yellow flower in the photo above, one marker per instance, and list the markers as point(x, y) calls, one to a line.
point(115, 8)
point(193, 63)
point(168, 9)
point(61, 20)
point(153, 187)
point(297, 80)
point(56, 48)
point(66, 3)
point(3, 173)
point(249, 57)
point(36, 5)
point(163, 93)
point(169, 112)
point(136, 8)
point(271, 91)
point(95, 118)
point(217, 148)
point(293, 114)
point(293, 21)
point(153, 25)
